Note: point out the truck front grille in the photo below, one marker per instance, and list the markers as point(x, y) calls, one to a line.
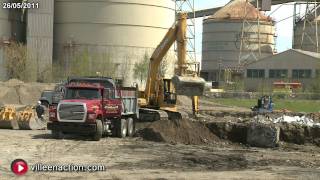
point(68, 112)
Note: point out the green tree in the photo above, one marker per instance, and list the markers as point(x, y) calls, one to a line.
point(141, 68)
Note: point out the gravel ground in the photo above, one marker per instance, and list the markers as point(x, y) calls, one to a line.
point(133, 158)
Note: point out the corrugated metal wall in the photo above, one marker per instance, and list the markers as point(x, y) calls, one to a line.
point(5, 33)
point(3, 74)
point(5, 27)
point(40, 40)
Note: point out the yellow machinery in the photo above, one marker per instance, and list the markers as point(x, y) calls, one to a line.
point(158, 101)
point(26, 119)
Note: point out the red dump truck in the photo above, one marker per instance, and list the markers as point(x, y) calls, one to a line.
point(95, 106)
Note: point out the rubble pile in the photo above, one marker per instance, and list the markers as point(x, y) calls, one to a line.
point(303, 120)
point(299, 120)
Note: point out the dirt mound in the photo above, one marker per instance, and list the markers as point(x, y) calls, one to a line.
point(17, 92)
point(178, 131)
point(14, 82)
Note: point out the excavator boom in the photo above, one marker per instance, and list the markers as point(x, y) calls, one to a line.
point(159, 100)
point(189, 85)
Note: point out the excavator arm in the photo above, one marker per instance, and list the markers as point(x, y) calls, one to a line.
point(155, 62)
point(182, 83)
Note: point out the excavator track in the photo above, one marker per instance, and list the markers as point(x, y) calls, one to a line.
point(150, 115)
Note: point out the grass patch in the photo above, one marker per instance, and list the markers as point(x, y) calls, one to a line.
point(292, 105)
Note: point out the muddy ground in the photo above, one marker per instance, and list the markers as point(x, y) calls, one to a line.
point(133, 158)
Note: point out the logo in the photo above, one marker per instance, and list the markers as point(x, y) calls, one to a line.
point(111, 108)
point(19, 167)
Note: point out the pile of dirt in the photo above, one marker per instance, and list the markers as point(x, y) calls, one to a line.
point(178, 131)
point(18, 92)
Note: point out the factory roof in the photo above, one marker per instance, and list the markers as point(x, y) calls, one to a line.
point(313, 55)
point(235, 10)
point(308, 53)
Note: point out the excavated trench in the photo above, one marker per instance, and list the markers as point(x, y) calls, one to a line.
point(291, 133)
point(230, 127)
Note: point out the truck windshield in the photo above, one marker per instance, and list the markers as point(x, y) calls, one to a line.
point(82, 94)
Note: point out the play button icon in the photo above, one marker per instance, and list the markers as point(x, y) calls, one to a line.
point(19, 167)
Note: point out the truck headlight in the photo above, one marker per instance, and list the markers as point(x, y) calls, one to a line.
point(92, 116)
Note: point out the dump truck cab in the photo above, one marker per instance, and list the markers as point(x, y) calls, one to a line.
point(94, 109)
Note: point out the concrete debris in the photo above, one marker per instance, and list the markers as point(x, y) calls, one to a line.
point(262, 135)
point(303, 120)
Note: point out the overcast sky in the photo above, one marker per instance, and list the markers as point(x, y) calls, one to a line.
point(284, 28)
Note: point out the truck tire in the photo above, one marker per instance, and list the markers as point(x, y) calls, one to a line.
point(56, 134)
point(131, 127)
point(98, 134)
point(122, 128)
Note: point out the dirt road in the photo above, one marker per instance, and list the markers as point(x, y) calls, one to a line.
point(132, 158)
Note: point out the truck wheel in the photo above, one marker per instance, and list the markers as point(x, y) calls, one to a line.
point(98, 134)
point(131, 127)
point(56, 134)
point(122, 128)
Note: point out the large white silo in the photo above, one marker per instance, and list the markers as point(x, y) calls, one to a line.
point(120, 30)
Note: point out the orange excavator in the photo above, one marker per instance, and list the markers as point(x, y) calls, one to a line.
point(159, 99)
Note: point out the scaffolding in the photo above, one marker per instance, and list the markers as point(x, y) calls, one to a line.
point(187, 6)
point(309, 18)
point(247, 32)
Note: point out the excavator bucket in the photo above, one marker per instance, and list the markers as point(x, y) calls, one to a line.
point(188, 85)
point(24, 120)
point(8, 118)
point(28, 120)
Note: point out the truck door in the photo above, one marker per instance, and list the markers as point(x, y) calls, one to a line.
point(112, 105)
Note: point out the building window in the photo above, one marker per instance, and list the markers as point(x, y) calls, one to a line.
point(278, 73)
point(255, 73)
point(301, 73)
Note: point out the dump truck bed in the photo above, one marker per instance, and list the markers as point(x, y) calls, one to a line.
point(129, 96)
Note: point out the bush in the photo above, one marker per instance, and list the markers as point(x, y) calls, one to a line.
point(16, 61)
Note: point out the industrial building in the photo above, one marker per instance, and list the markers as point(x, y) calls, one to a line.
point(306, 28)
point(237, 33)
point(289, 66)
point(110, 35)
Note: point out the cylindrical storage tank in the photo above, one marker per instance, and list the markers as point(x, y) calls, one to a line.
point(305, 38)
point(113, 35)
point(222, 34)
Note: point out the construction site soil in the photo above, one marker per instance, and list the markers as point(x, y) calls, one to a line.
point(211, 147)
point(133, 158)
point(178, 131)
